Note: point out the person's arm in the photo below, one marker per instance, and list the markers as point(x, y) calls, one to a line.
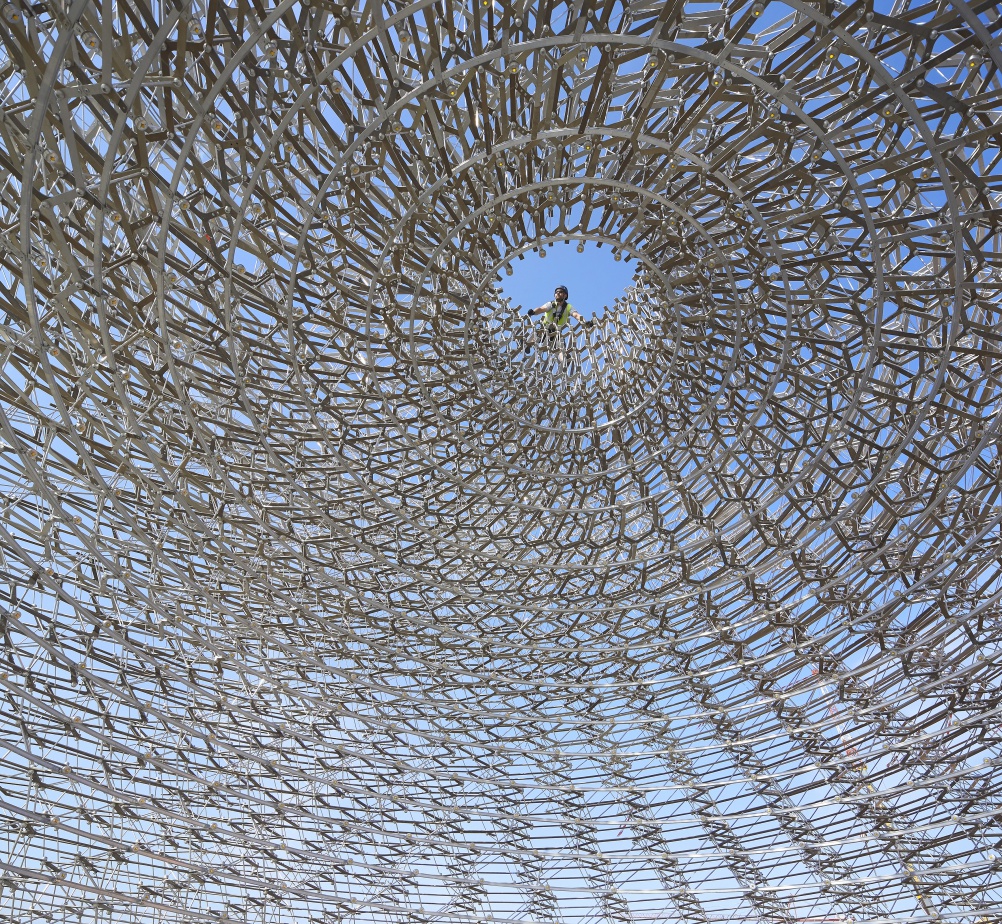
point(577, 317)
point(540, 310)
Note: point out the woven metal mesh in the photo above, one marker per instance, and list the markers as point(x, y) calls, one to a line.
point(325, 601)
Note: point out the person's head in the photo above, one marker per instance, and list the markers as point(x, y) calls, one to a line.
point(560, 293)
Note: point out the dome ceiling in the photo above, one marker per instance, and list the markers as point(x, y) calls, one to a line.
point(325, 602)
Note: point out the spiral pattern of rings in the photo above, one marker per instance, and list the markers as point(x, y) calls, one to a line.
point(327, 600)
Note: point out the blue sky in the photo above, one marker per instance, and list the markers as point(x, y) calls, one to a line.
point(594, 278)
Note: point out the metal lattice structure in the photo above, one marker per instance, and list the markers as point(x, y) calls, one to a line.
point(323, 603)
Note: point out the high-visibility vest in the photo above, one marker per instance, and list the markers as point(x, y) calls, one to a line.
point(551, 316)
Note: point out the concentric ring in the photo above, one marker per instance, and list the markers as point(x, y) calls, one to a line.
point(333, 596)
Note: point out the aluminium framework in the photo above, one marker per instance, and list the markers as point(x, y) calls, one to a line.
point(313, 611)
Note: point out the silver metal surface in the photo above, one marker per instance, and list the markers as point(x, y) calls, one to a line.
point(322, 602)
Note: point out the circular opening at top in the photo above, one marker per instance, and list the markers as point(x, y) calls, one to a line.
point(591, 272)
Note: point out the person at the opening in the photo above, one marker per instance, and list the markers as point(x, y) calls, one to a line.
point(556, 314)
